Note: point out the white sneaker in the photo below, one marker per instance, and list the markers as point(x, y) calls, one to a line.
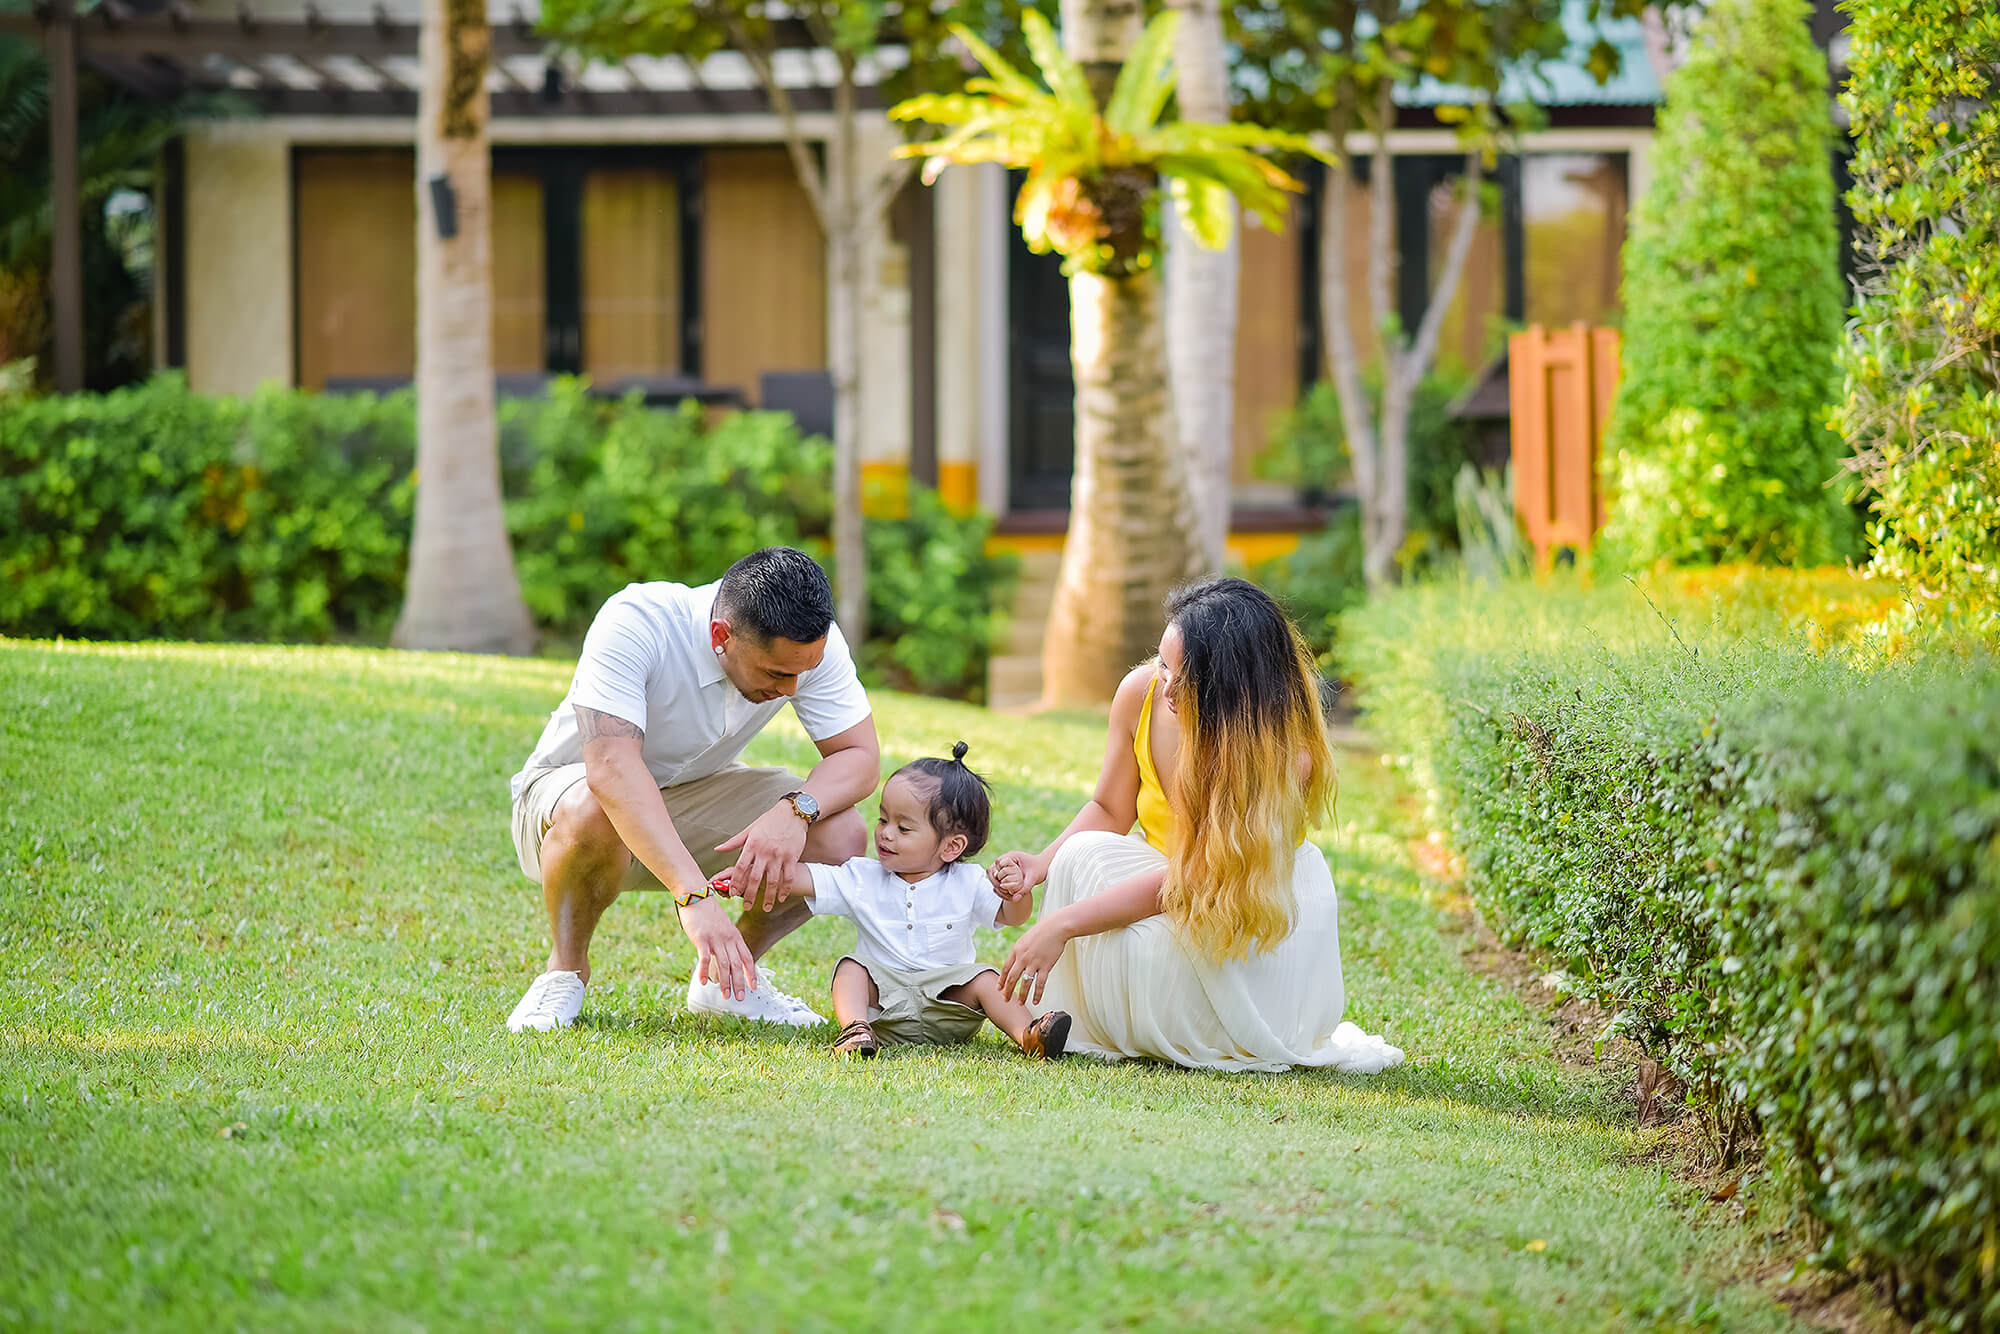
point(553, 1001)
point(764, 1003)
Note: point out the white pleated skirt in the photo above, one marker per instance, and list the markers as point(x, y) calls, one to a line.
point(1141, 992)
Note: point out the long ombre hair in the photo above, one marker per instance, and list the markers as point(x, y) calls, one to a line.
point(1248, 702)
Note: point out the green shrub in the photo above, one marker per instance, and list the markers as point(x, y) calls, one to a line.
point(1779, 867)
point(936, 599)
point(1922, 410)
point(1717, 449)
point(602, 494)
point(1308, 446)
point(1319, 580)
point(152, 512)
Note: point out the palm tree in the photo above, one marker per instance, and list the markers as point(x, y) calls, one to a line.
point(463, 590)
point(1090, 138)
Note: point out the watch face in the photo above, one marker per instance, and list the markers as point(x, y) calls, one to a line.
point(806, 805)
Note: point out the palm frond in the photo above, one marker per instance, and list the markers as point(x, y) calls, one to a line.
point(1064, 76)
point(1146, 81)
point(1258, 185)
point(942, 108)
point(1186, 136)
point(1207, 208)
point(1007, 79)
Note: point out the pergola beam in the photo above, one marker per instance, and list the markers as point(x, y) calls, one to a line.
point(182, 37)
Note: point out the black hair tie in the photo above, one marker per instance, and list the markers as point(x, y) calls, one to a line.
point(958, 752)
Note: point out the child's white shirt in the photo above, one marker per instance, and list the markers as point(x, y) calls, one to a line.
point(909, 927)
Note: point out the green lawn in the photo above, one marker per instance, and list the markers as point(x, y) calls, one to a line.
point(261, 924)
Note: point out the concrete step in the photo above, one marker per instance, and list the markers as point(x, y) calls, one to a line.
point(1039, 566)
point(1014, 674)
point(1024, 636)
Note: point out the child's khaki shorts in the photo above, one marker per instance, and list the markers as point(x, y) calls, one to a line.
point(911, 1010)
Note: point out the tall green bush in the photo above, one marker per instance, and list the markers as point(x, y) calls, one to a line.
point(1922, 409)
point(1717, 449)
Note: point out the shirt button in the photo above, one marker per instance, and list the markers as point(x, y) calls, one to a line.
point(913, 926)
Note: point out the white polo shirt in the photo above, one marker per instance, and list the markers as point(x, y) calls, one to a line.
point(909, 927)
point(648, 660)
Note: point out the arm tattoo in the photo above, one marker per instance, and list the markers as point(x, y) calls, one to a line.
point(591, 724)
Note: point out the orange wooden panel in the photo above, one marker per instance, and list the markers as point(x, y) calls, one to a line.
point(631, 273)
point(1267, 336)
point(763, 270)
point(357, 264)
point(520, 276)
point(1560, 387)
point(1572, 421)
point(1526, 403)
point(1606, 367)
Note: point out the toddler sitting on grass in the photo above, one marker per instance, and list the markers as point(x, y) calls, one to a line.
point(912, 977)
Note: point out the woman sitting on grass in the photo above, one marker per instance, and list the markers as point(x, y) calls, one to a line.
point(1209, 936)
point(912, 977)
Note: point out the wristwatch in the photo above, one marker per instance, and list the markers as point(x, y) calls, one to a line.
point(683, 898)
point(803, 806)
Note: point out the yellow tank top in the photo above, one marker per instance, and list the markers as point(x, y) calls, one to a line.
point(1156, 816)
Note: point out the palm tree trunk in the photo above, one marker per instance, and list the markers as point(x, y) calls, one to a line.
point(1201, 300)
point(1131, 515)
point(463, 590)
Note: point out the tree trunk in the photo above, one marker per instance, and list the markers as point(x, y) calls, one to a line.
point(1131, 516)
point(848, 222)
point(1130, 511)
point(845, 238)
point(1344, 359)
point(1201, 300)
point(463, 590)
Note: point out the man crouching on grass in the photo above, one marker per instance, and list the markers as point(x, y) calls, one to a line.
point(636, 782)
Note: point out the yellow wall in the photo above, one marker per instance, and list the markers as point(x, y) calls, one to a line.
point(1248, 549)
point(239, 259)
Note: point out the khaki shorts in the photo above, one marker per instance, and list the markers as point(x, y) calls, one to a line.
point(910, 1008)
point(705, 812)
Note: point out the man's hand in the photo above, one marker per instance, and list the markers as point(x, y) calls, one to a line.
point(771, 849)
point(721, 956)
point(1015, 874)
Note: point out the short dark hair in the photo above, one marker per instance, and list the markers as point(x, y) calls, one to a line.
point(959, 801)
point(776, 593)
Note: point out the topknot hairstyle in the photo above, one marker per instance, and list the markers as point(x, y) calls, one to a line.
point(960, 802)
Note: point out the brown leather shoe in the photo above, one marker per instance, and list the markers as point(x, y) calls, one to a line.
point(857, 1039)
point(1047, 1037)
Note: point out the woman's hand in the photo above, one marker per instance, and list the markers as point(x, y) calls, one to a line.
point(1015, 874)
point(1032, 959)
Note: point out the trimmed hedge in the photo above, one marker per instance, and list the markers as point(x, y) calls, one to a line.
point(1779, 865)
point(152, 512)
